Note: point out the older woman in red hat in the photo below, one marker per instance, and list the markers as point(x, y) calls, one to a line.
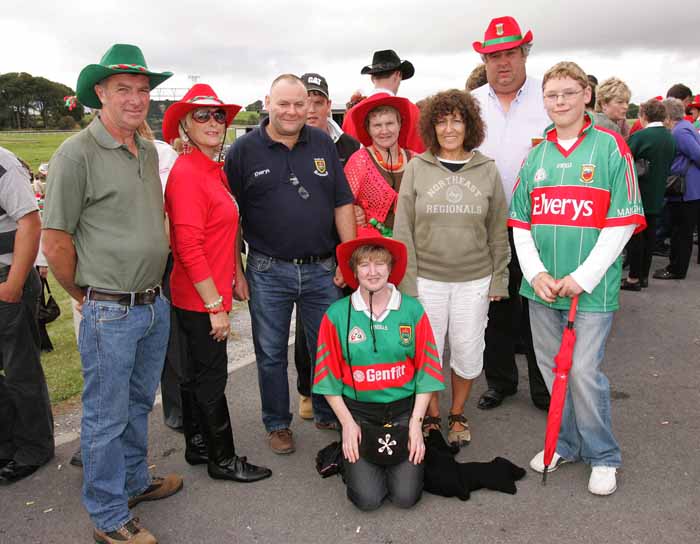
point(203, 217)
point(377, 366)
point(375, 172)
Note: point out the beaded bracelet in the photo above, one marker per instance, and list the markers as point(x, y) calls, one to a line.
point(214, 304)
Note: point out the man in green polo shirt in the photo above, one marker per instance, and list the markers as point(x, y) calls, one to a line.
point(105, 242)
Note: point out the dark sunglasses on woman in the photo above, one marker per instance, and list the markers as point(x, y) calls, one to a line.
point(202, 116)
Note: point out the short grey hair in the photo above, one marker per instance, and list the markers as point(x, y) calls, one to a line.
point(525, 48)
point(675, 109)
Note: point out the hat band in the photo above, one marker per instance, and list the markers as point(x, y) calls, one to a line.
point(128, 67)
point(203, 97)
point(504, 39)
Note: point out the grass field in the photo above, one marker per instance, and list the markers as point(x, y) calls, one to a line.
point(33, 148)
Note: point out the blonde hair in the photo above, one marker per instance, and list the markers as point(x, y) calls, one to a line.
point(567, 69)
point(611, 89)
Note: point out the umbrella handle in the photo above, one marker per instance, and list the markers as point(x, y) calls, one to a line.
point(572, 312)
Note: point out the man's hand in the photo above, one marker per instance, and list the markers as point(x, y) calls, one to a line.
point(338, 278)
point(10, 293)
point(240, 288)
point(545, 286)
point(360, 217)
point(568, 287)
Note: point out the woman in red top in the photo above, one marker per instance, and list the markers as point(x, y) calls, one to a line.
point(203, 218)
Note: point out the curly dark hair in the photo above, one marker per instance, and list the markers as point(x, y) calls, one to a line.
point(449, 102)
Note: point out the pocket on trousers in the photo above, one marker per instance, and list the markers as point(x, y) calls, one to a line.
point(258, 262)
point(106, 313)
point(328, 264)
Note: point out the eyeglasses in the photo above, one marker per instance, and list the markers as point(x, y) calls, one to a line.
point(301, 190)
point(202, 116)
point(568, 96)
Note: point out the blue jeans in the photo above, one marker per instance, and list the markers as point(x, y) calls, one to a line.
point(122, 350)
point(586, 429)
point(275, 286)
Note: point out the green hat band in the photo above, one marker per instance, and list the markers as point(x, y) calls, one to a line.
point(505, 39)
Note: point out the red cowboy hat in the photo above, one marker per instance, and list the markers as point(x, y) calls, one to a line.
point(370, 237)
point(359, 112)
point(200, 95)
point(502, 33)
point(694, 104)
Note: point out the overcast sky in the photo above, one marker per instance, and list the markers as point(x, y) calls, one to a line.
point(239, 46)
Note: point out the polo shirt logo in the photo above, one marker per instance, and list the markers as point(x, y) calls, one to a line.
point(261, 172)
point(587, 173)
point(540, 175)
point(320, 167)
point(357, 335)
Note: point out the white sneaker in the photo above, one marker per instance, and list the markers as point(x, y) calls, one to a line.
point(537, 462)
point(602, 481)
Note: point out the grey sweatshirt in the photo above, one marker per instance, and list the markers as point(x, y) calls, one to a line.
point(453, 223)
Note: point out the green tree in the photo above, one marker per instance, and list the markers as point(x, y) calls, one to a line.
point(632, 111)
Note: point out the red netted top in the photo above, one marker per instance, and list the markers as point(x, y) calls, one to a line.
point(371, 191)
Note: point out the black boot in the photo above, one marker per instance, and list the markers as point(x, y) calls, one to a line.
point(224, 464)
point(195, 443)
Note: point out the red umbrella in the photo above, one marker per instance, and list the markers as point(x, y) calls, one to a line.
point(562, 361)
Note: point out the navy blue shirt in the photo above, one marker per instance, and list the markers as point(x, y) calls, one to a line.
point(277, 221)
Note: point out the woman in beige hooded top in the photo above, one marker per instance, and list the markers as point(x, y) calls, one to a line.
point(451, 214)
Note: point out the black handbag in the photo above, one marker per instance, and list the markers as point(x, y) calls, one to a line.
point(49, 310)
point(675, 183)
point(382, 444)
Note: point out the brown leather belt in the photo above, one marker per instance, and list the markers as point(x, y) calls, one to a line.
point(125, 299)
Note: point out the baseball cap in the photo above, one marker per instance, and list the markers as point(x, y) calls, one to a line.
point(316, 82)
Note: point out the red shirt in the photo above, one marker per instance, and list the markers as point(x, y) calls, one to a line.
point(203, 217)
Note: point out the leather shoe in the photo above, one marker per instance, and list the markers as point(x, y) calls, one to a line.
point(14, 472)
point(663, 274)
point(160, 488)
point(631, 286)
point(4, 462)
point(490, 399)
point(239, 469)
point(77, 459)
point(644, 282)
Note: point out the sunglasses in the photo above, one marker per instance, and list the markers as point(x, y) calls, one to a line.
point(301, 190)
point(202, 116)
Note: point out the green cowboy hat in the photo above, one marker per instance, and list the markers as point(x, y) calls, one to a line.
point(119, 59)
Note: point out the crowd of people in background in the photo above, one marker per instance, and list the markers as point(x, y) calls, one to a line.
point(475, 218)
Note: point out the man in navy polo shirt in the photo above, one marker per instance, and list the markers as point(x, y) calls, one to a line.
point(296, 205)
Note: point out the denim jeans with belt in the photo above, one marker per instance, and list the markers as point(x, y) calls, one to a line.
point(586, 427)
point(122, 349)
point(275, 286)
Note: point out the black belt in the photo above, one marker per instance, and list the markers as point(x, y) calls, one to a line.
point(125, 299)
point(301, 260)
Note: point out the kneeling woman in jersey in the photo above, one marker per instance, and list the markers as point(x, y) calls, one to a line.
point(377, 365)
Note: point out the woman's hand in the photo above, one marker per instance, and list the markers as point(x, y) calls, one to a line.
point(416, 445)
point(360, 217)
point(545, 287)
point(351, 441)
point(568, 287)
point(495, 299)
point(220, 326)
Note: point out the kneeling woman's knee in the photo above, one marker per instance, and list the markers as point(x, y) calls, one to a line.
point(406, 498)
point(365, 499)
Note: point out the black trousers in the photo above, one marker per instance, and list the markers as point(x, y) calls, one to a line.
point(26, 422)
point(204, 370)
point(640, 247)
point(683, 218)
point(508, 327)
point(302, 359)
point(172, 369)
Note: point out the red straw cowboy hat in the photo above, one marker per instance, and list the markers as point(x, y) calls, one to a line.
point(200, 95)
point(369, 237)
point(502, 33)
point(694, 104)
point(361, 110)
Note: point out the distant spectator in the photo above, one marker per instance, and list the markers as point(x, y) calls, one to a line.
point(611, 105)
point(681, 92)
point(593, 81)
point(477, 78)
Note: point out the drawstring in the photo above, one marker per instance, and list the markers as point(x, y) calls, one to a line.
point(371, 323)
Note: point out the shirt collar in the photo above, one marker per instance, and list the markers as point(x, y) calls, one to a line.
point(105, 139)
point(521, 91)
point(654, 124)
point(303, 135)
point(359, 305)
point(334, 130)
point(378, 90)
point(551, 131)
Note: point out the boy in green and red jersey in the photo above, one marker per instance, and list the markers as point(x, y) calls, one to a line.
point(575, 204)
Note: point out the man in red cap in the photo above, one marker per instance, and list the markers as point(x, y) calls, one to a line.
point(512, 108)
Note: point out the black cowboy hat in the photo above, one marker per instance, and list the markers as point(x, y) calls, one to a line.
point(387, 60)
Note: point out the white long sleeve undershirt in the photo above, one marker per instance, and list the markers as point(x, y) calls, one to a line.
point(607, 248)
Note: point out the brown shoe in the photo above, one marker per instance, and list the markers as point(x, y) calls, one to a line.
point(306, 410)
point(130, 533)
point(281, 441)
point(160, 488)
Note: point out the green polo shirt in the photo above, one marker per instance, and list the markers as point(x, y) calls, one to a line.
point(111, 202)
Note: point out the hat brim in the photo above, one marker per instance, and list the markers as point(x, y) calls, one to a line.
point(406, 68)
point(176, 112)
point(397, 249)
point(94, 73)
point(479, 48)
point(361, 110)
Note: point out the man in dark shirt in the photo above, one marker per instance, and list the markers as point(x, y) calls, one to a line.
point(295, 204)
point(319, 116)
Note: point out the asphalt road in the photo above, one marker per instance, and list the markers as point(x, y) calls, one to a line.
point(652, 362)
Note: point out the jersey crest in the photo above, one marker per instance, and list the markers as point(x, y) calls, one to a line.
point(320, 165)
point(406, 334)
point(357, 335)
point(540, 175)
point(587, 173)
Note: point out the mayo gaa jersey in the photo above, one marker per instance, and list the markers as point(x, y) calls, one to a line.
point(405, 359)
point(566, 197)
